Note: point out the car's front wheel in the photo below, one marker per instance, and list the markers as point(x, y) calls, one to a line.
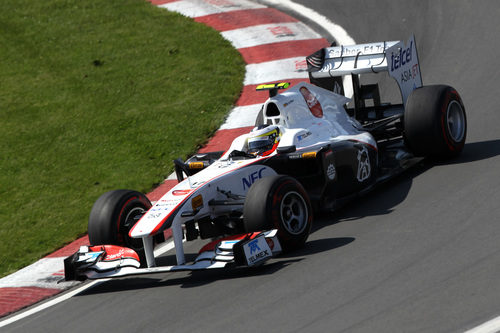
point(112, 217)
point(279, 202)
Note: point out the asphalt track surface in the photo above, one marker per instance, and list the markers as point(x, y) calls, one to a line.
point(420, 254)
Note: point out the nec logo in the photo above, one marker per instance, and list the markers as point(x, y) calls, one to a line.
point(251, 178)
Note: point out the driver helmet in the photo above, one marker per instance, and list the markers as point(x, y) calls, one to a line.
point(263, 140)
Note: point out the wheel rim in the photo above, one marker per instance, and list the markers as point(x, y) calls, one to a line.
point(455, 119)
point(130, 220)
point(294, 213)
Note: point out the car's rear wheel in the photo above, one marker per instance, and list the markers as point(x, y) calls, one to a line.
point(112, 217)
point(435, 123)
point(279, 202)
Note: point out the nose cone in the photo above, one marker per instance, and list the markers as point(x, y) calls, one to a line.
point(154, 219)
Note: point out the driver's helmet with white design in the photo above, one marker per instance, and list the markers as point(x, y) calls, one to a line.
point(263, 140)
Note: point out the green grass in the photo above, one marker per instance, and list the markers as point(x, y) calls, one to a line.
point(97, 95)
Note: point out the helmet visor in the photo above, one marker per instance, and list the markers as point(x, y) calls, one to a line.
point(260, 144)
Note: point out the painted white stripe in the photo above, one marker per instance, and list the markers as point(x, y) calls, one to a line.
point(277, 70)
point(40, 274)
point(492, 326)
point(242, 116)
point(50, 303)
point(195, 8)
point(269, 33)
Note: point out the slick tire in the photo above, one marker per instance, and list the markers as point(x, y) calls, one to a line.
point(435, 123)
point(279, 202)
point(112, 217)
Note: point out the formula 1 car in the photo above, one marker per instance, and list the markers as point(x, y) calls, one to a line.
point(308, 151)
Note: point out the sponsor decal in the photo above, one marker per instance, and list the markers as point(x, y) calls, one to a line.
point(257, 250)
point(154, 215)
point(311, 154)
point(303, 136)
point(259, 256)
point(410, 74)
point(196, 165)
point(114, 256)
point(312, 102)
point(402, 58)
point(403, 66)
point(197, 202)
point(251, 178)
point(364, 167)
point(165, 205)
point(331, 172)
point(254, 246)
point(114, 252)
point(288, 103)
point(355, 50)
point(181, 192)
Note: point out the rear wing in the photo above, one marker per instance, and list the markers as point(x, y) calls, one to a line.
point(400, 60)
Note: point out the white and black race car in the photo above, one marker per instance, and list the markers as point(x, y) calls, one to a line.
point(308, 151)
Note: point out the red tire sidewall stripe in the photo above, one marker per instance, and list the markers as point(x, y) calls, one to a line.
point(277, 197)
point(121, 213)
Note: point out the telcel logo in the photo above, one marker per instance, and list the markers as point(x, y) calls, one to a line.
point(402, 58)
point(251, 178)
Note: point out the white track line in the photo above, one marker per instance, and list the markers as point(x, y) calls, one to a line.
point(50, 303)
point(492, 326)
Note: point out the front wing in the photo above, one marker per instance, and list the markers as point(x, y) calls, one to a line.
point(110, 261)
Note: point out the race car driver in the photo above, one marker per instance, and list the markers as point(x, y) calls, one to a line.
point(263, 140)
